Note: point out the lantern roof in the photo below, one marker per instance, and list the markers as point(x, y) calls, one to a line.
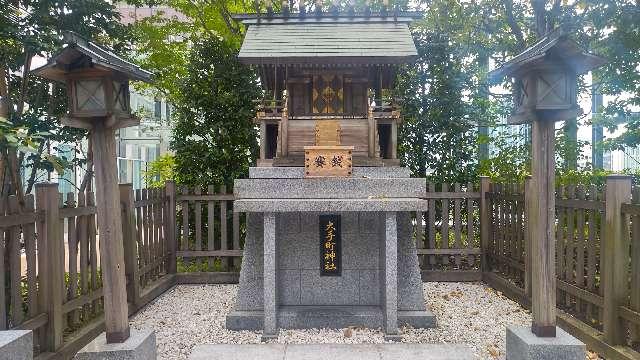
point(81, 54)
point(556, 47)
point(360, 40)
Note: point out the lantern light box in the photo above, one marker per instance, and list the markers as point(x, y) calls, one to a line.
point(97, 83)
point(545, 78)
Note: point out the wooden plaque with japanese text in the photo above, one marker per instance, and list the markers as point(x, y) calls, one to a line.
point(328, 161)
point(330, 246)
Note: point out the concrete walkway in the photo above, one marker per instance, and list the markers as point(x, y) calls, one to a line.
point(332, 352)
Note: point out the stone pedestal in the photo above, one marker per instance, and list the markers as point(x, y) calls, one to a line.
point(522, 344)
point(280, 281)
point(141, 345)
point(16, 345)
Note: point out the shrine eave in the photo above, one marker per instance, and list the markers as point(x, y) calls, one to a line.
point(331, 43)
point(295, 18)
point(328, 61)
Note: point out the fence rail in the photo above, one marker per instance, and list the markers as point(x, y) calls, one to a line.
point(191, 235)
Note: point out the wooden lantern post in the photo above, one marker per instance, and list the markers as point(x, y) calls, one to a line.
point(545, 92)
point(98, 91)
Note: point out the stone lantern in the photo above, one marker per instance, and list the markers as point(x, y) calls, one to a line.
point(98, 90)
point(545, 92)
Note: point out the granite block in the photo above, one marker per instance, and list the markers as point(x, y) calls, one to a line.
point(309, 221)
point(288, 223)
point(245, 320)
point(410, 296)
point(369, 287)
point(253, 255)
point(332, 316)
point(370, 223)
point(310, 254)
point(336, 351)
point(522, 344)
point(238, 352)
point(288, 287)
point(329, 188)
point(390, 289)
point(329, 290)
point(298, 172)
point(289, 251)
point(141, 345)
point(270, 300)
point(329, 205)
point(359, 251)
point(16, 345)
point(425, 352)
point(349, 222)
point(250, 294)
point(332, 351)
point(423, 319)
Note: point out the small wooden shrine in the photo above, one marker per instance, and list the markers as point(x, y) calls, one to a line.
point(329, 244)
point(328, 72)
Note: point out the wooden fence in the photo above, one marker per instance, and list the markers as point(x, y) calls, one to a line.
point(597, 261)
point(448, 235)
point(191, 235)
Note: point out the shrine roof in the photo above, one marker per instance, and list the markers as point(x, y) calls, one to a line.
point(558, 46)
point(326, 40)
point(81, 53)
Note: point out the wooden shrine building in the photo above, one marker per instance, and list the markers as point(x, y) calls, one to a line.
point(328, 72)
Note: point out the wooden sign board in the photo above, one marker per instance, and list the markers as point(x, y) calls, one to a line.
point(330, 246)
point(327, 133)
point(328, 161)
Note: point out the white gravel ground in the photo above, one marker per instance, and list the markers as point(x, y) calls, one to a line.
point(470, 313)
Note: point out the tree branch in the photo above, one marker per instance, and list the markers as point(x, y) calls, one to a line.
point(34, 169)
point(513, 24)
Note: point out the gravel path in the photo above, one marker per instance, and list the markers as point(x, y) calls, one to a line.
point(470, 313)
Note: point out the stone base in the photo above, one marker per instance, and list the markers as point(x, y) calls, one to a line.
point(522, 344)
point(393, 338)
point(332, 351)
point(313, 317)
point(268, 337)
point(141, 345)
point(16, 345)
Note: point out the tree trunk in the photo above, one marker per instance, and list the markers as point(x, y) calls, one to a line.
point(540, 15)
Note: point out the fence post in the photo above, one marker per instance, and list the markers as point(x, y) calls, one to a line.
point(485, 223)
point(527, 238)
point(615, 253)
point(171, 227)
point(50, 264)
point(129, 239)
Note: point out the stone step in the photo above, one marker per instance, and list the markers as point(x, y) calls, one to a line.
point(311, 317)
point(358, 172)
point(332, 351)
point(330, 188)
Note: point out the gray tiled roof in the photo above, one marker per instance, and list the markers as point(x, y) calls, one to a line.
point(78, 47)
point(557, 44)
point(289, 42)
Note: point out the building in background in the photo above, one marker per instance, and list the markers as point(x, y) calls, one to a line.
point(140, 145)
